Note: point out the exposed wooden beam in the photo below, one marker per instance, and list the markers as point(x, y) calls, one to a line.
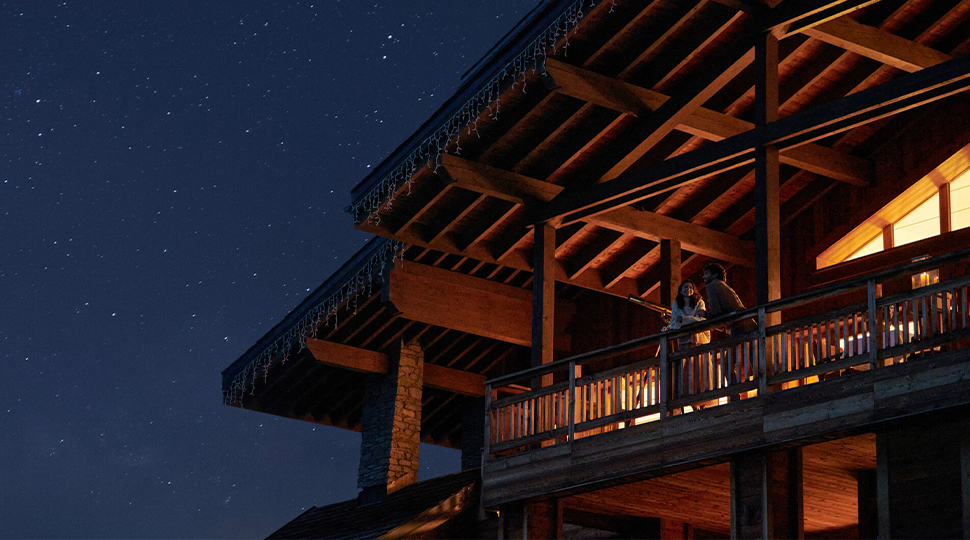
point(901, 94)
point(461, 382)
point(647, 225)
point(708, 124)
point(365, 361)
point(346, 357)
point(877, 44)
point(496, 182)
point(469, 304)
point(682, 105)
point(655, 227)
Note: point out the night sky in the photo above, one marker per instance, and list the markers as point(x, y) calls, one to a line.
point(172, 184)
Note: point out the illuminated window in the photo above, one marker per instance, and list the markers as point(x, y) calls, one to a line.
point(914, 214)
point(874, 246)
point(929, 277)
point(960, 202)
point(921, 223)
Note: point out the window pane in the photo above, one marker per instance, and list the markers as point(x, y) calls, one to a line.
point(874, 246)
point(921, 223)
point(960, 202)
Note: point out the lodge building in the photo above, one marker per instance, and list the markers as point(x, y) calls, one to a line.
point(531, 236)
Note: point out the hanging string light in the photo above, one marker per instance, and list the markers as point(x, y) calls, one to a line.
point(485, 101)
point(322, 315)
point(428, 153)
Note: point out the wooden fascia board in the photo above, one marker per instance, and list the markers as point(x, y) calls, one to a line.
point(877, 44)
point(647, 225)
point(469, 304)
point(706, 123)
point(364, 361)
point(901, 94)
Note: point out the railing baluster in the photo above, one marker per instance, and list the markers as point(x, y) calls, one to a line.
point(964, 305)
point(762, 355)
point(902, 330)
point(871, 290)
point(927, 331)
point(571, 412)
point(664, 369)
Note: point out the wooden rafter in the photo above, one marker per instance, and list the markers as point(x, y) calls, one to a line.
point(647, 225)
point(711, 125)
point(843, 114)
point(877, 44)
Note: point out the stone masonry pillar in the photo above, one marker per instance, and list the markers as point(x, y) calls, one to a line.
point(391, 425)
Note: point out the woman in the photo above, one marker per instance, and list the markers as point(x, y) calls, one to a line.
point(689, 308)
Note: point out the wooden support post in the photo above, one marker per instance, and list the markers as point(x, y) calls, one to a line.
point(920, 480)
point(543, 297)
point(670, 268)
point(472, 431)
point(767, 222)
point(542, 520)
point(766, 495)
point(487, 428)
point(572, 403)
point(868, 508)
point(762, 354)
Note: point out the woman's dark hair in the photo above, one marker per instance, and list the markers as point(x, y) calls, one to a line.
point(716, 270)
point(682, 300)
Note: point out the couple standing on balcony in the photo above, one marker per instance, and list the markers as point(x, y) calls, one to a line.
point(689, 307)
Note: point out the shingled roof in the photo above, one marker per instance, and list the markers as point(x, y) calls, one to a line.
point(413, 511)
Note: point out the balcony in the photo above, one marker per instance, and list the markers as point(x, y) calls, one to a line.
point(849, 358)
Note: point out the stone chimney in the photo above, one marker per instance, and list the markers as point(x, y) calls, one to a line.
point(391, 425)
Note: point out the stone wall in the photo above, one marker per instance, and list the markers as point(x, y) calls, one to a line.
point(391, 424)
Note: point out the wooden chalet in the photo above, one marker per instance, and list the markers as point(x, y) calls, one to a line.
point(530, 235)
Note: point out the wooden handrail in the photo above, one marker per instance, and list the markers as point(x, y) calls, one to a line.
point(724, 320)
point(864, 335)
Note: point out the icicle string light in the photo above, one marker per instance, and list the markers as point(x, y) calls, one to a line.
point(323, 315)
point(428, 153)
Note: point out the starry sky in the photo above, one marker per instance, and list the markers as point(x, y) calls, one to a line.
point(172, 183)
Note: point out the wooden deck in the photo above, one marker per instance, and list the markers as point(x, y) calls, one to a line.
point(799, 415)
point(828, 375)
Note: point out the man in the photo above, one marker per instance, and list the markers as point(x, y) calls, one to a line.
point(721, 299)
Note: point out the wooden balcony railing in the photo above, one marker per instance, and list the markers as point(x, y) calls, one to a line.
point(870, 335)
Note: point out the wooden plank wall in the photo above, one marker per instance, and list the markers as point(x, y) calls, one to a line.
point(925, 138)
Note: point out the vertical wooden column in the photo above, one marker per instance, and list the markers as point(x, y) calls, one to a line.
point(922, 481)
point(670, 266)
point(766, 495)
point(542, 520)
point(543, 296)
point(767, 221)
point(868, 507)
point(472, 432)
